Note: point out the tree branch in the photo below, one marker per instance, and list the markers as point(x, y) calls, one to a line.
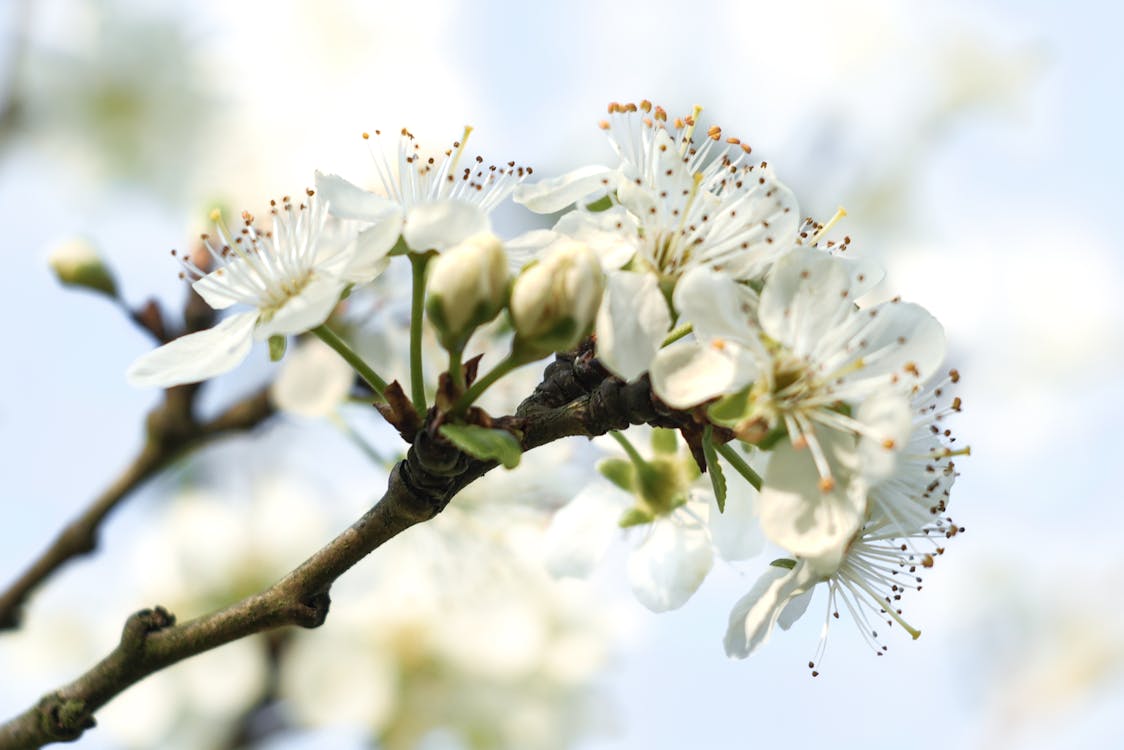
point(576, 397)
point(172, 432)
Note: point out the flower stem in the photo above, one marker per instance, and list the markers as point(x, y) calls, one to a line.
point(727, 452)
point(329, 337)
point(418, 263)
point(506, 365)
point(456, 370)
point(677, 334)
point(629, 448)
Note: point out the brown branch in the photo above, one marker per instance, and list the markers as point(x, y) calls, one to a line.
point(576, 397)
point(172, 431)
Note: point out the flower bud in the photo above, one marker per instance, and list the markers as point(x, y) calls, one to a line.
point(554, 301)
point(76, 263)
point(467, 288)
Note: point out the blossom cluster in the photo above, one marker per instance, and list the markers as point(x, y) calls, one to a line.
point(817, 417)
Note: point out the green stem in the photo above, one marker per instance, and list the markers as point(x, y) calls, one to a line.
point(456, 370)
point(329, 337)
point(629, 448)
point(418, 263)
point(677, 334)
point(506, 365)
point(727, 451)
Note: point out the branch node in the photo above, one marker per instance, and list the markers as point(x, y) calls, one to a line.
point(312, 610)
point(140, 625)
point(64, 719)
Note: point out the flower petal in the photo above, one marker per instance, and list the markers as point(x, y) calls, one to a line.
point(581, 531)
point(668, 566)
point(216, 288)
point(441, 224)
point(687, 374)
point(888, 421)
point(557, 193)
point(631, 323)
point(898, 340)
point(806, 294)
point(313, 381)
point(735, 532)
point(612, 234)
point(798, 514)
point(304, 310)
point(755, 614)
point(526, 247)
point(196, 356)
point(348, 201)
point(715, 305)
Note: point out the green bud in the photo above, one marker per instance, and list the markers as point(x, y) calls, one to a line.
point(554, 301)
point(619, 471)
point(277, 346)
point(77, 264)
point(635, 517)
point(467, 287)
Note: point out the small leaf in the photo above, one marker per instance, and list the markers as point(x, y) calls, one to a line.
point(604, 203)
point(783, 562)
point(277, 345)
point(664, 440)
point(484, 443)
point(714, 469)
point(619, 471)
point(635, 517)
point(731, 409)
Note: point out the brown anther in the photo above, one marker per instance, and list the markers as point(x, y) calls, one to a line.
point(827, 484)
point(714, 133)
point(911, 368)
point(927, 561)
point(956, 404)
point(888, 444)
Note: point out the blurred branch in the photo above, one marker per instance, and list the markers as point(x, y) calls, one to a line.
point(576, 397)
point(172, 430)
point(11, 103)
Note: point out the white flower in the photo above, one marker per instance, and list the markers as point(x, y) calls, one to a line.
point(432, 203)
point(682, 206)
point(291, 278)
point(468, 286)
point(313, 381)
point(881, 564)
point(553, 302)
point(903, 530)
point(672, 507)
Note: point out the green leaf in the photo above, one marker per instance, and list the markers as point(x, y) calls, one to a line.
point(277, 345)
point(714, 469)
point(665, 440)
point(635, 517)
point(619, 471)
point(783, 562)
point(484, 443)
point(604, 203)
point(731, 409)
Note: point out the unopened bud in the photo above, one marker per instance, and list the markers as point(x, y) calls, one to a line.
point(554, 301)
point(76, 263)
point(467, 287)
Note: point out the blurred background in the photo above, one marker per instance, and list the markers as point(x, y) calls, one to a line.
point(976, 149)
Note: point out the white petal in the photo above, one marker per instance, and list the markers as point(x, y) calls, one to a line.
point(735, 532)
point(440, 224)
point(668, 566)
point(196, 356)
point(795, 609)
point(581, 532)
point(800, 516)
point(215, 287)
point(715, 305)
point(526, 247)
point(612, 234)
point(808, 292)
point(313, 381)
point(688, 373)
point(368, 260)
point(348, 201)
point(888, 420)
point(632, 322)
point(755, 614)
point(304, 310)
point(897, 336)
point(557, 193)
